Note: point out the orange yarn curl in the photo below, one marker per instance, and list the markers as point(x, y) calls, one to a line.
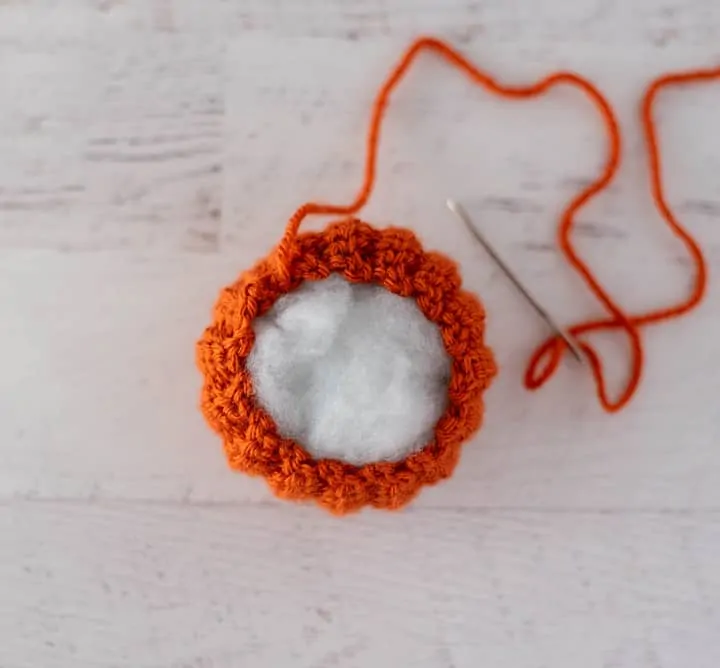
point(395, 259)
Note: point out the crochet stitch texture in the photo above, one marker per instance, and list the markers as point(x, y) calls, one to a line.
point(394, 259)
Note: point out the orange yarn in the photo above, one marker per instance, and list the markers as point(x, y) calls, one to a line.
point(395, 259)
point(631, 324)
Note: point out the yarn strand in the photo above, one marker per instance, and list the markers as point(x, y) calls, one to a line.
point(552, 347)
point(545, 360)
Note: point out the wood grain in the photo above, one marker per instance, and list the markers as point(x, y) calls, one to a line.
point(153, 149)
point(191, 586)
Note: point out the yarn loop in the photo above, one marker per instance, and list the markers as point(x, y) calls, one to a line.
point(546, 359)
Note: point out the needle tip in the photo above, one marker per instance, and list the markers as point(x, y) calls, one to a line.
point(452, 205)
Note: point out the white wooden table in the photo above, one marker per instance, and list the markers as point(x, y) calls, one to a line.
point(150, 150)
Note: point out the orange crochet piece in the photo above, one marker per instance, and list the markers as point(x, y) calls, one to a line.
point(394, 259)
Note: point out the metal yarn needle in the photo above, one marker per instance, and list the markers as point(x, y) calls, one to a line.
point(569, 340)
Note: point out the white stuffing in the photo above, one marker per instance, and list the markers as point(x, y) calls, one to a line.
point(351, 372)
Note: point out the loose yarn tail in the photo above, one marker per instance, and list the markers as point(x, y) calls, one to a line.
point(545, 360)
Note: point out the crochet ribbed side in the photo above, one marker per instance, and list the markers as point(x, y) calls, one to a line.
point(394, 259)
